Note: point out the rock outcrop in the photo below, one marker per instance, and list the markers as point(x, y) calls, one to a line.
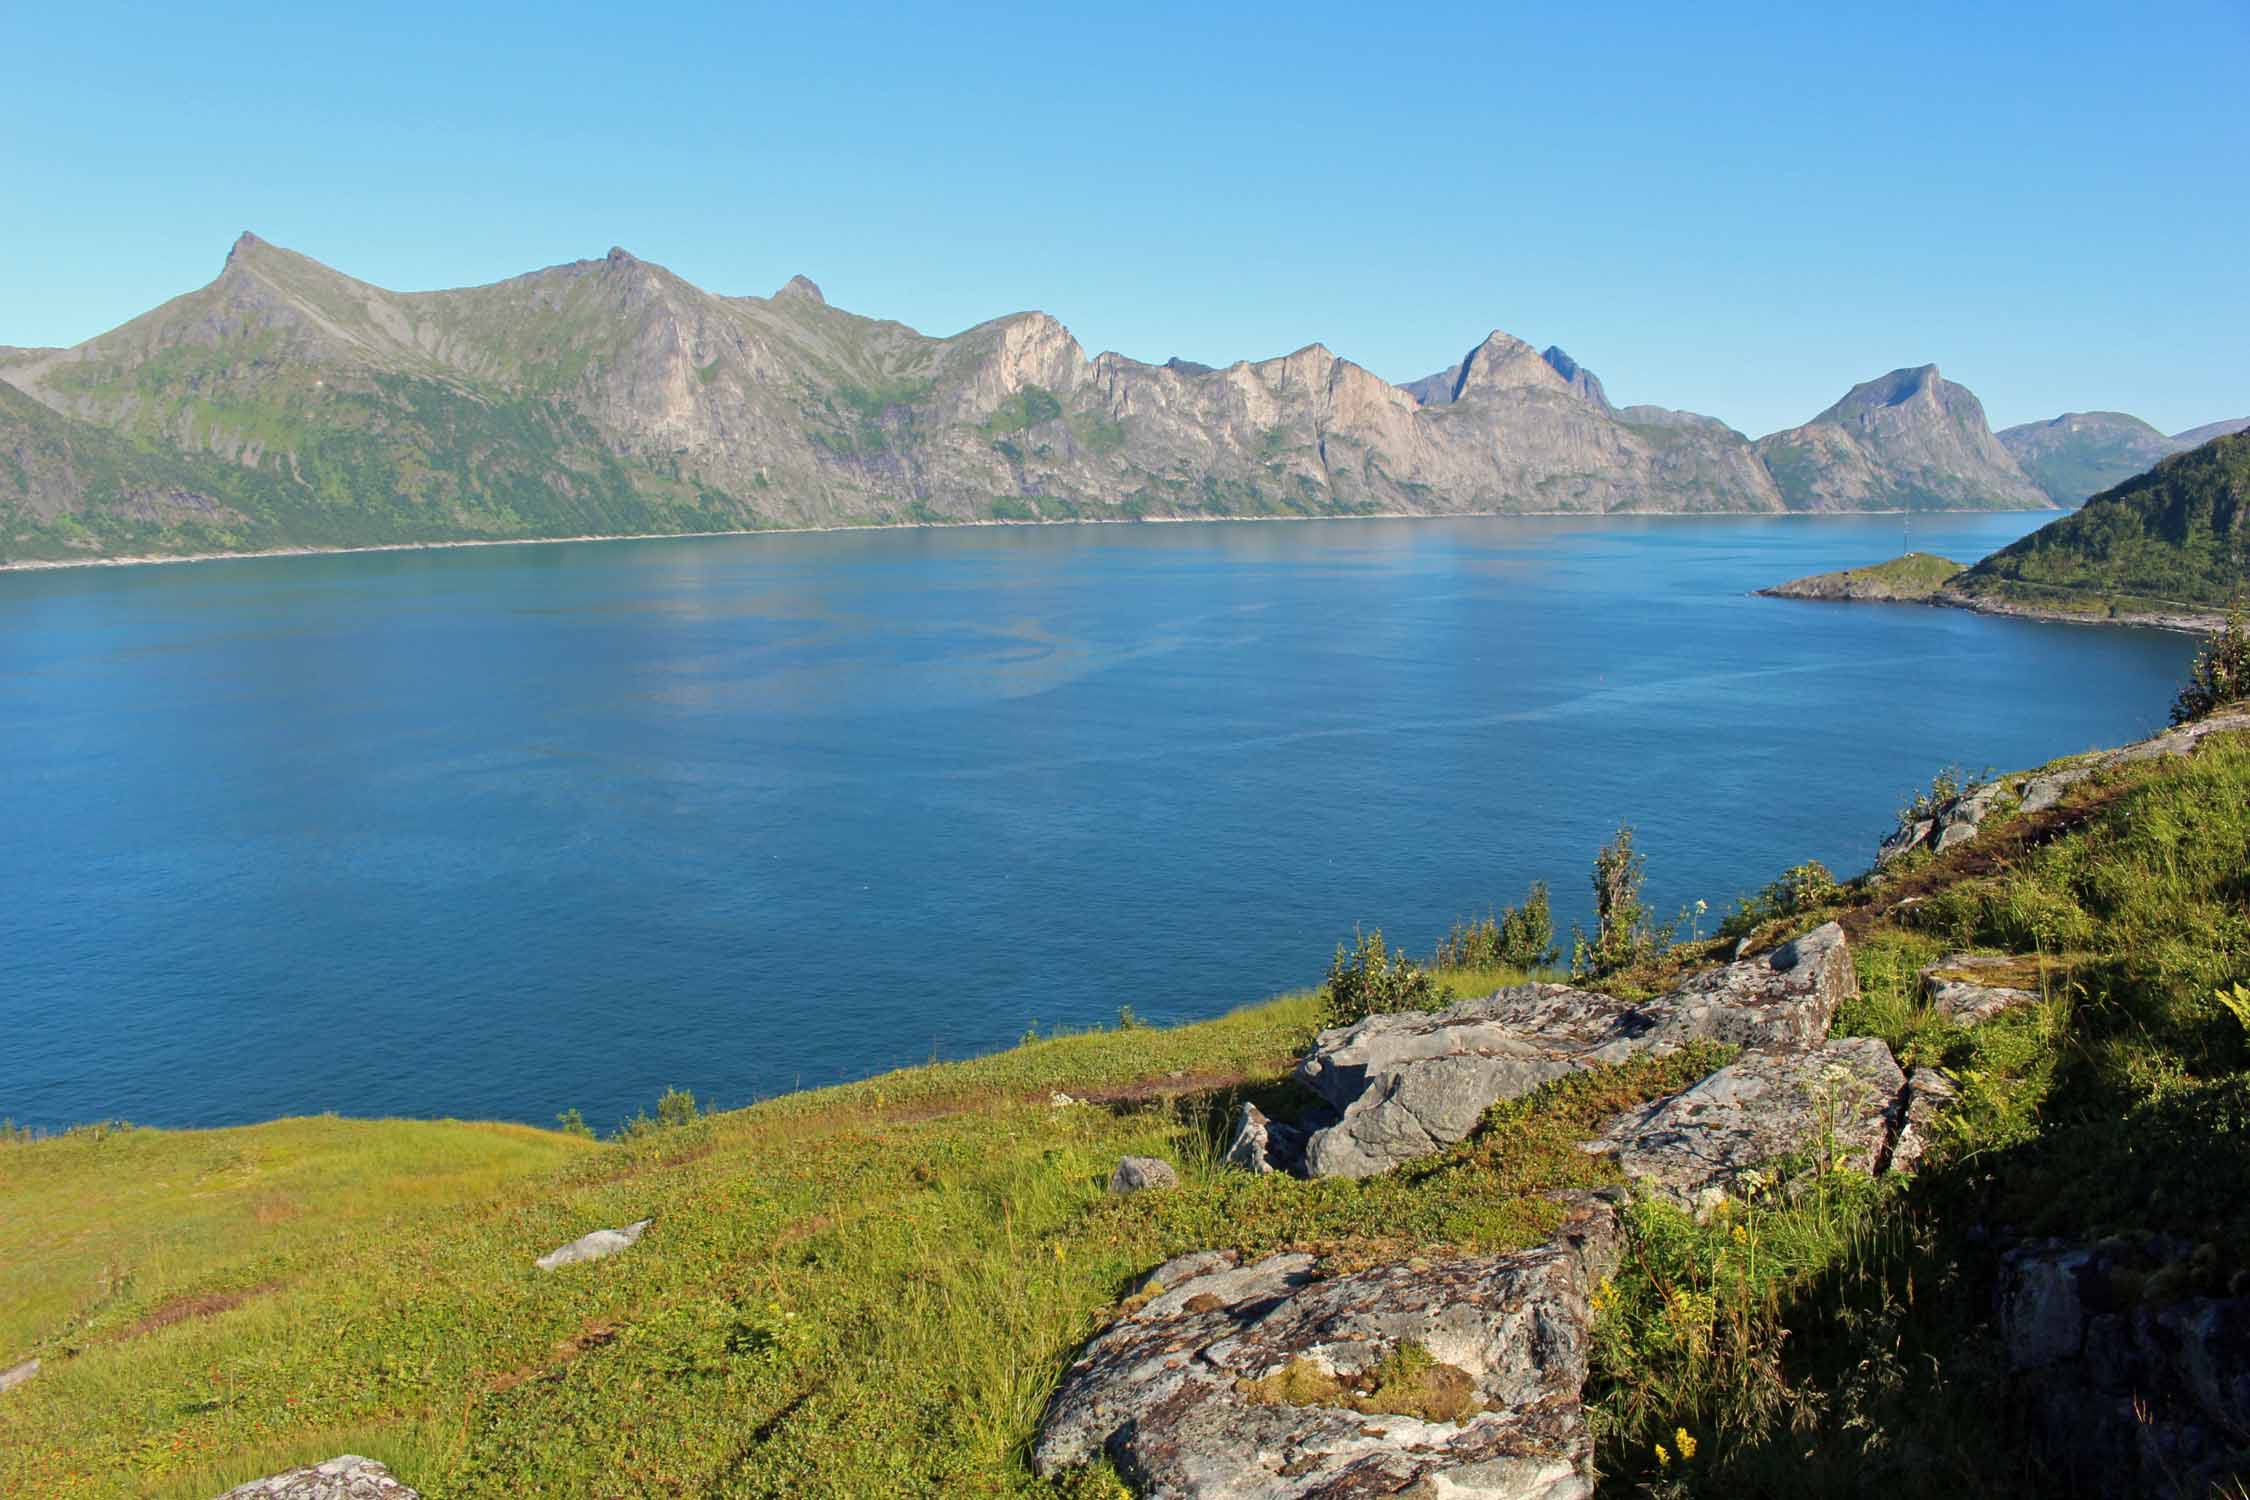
point(1457, 1378)
point(348, 1478)
point(598, 1245)
point(1263, 1145)
point(16, 1375)
point(1973, 987)
point(1403, 1085)
point(2130, 1393)
point(1843, 1101)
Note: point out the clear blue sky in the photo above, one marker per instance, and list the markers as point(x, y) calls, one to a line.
point(1738, 211)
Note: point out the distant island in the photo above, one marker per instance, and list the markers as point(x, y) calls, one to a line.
point(2170, 548)
point(286, 406)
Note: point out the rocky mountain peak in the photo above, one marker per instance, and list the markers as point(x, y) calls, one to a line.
point(1580, 379)
point(1505, 363)
point(802, 287)
point(246, 244)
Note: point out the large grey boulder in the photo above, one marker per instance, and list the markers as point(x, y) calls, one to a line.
point(1843, 1100)
point(1231, 1381)
point(348, 1478)
point(1969, 987)
point(1405, 1085)
point(599, 1245)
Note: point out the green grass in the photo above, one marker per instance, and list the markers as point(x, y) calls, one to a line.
point(871, 1290)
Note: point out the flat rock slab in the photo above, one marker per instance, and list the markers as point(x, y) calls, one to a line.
point(348, 1478)
point(1408, 1084)
point(1971, 987)
point(1701, 1143)
point(599, 1245)
point(1163, 1391)
point(16, 1375)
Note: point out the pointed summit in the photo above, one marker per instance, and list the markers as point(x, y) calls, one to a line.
point(1504, 362)
point(245, 244)
point(801, 286)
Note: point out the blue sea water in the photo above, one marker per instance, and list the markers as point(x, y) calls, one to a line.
point(494, 832)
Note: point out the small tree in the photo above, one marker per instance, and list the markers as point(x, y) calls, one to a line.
point(1521, 937)
point(1372, 979)
point(1623, 933)
point(2221, 674)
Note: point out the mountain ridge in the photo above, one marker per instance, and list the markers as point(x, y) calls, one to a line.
point(612, 395)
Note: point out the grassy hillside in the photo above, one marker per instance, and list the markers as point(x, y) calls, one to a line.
point(1917, 575)
point(2175, 536)
point(871, 1290)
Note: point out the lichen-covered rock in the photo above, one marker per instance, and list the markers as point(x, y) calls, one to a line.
point(599, 1245)
point(1950, 823)
point(348, 1478)
point(1137, 1174)
point(1404, 1085)
point(2127, 1393)
point(1195, 1394)
point(1695, 1146)
point(1969, 987)
point(1264, 1145)
point(16, 1375)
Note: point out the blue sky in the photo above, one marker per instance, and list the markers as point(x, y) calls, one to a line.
point(1738, 211)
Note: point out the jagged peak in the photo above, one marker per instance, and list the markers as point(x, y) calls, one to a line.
point(620, 256)
point(803, 288)
point(245, 244)
point(1576, 375)
point(1504, 362)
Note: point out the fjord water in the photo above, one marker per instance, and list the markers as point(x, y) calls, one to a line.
point(498, 831)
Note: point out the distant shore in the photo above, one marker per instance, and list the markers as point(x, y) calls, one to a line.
point(40, 565)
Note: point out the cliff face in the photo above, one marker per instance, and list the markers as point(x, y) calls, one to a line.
point(1910, 440)
point(611, 395)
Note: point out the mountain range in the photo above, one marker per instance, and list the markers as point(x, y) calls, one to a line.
point(286, 404)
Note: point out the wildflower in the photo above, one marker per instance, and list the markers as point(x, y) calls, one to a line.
point(1663, 1458)
point(1741, 1235)
point(1686, 1442)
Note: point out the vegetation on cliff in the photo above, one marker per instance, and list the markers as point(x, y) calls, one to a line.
point(1917, 575)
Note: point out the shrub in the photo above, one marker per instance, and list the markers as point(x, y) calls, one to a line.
point(1373, 979)
point(571, 1122)
point(2221, 674)
point(1521, 937)
point(1949, 783)
point(675, 1109)
point(1624, 934)
point(1801, 888)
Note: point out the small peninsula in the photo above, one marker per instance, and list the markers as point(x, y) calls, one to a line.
point(1908, 579)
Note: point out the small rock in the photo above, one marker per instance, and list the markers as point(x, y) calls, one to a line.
point(16, 1375)
point(1139, 1173)
point(1264, 1145)
point(1956, 834)
point(599, 1245)
point(1059, 1100)
point(2043, 792)
point(1701, 1143)
point(348, 1478)
point(1930, 1092)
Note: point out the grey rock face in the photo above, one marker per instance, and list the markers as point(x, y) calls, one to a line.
point(1964, 986)
point(1263, 1145)
point(1405, 1085)
point(16, 1375)
point(1951, 823)
point(1141, 1173)
point(348, 1478)
point(1704, 1141)
point(599, 1245)
point(1168, 1391)
point(2144, 1397)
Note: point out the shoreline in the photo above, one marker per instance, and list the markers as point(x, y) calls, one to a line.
point(49, 565)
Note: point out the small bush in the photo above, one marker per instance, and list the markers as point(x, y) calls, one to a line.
point(1373, 979)
point(675, 1109)
point(1949, 783)
point(1521, 937)
point(2221, 674)
point(1624, 933)
point(1801, 888)
point(571, 1122)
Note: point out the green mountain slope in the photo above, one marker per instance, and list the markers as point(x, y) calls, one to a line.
point(2173, 536)
point(1910, 440)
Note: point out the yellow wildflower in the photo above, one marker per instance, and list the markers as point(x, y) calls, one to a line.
point(1663, 1458)
point(1686, 1440)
